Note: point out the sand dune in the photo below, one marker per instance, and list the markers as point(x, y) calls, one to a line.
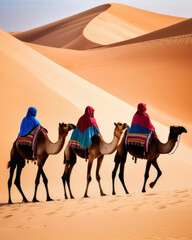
point(120, 22)
point(66, 33)
point(178, 29)
point(101, 25)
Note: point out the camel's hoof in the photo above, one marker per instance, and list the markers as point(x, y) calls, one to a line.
point(151, 185)
point(66, 197)
point(143, 190)
point(49, 199)
point(72, 197)
point(10, 202)
point(127, 192)
point(86, 196)
point(113, 193)
point(35, 200)
point(25, 200)
point(103, 194)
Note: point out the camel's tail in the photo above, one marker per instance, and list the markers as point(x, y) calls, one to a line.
point(9, 164)
point(13, 153)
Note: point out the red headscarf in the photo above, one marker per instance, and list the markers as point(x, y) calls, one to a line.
point(87, 120)
point(142, 118)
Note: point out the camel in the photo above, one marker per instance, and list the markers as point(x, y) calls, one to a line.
point(44, 147)
point(98, 149)
point(155, 149)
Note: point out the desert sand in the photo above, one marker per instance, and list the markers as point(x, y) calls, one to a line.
point(158, 215)
point(60, 76)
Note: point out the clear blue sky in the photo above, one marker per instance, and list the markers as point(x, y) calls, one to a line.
point(21, 15)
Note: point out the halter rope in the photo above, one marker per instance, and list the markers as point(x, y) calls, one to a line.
point(176, 146)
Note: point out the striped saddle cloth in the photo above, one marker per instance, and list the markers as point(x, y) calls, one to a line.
point(29, 143)
point(140, 140)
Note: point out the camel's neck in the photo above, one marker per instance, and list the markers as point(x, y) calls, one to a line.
point(108, 148)
point(54, 148)
point(164, 148)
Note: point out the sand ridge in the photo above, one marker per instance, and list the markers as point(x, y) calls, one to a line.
point(84, 30)
point(119, 23)
point(66, 33)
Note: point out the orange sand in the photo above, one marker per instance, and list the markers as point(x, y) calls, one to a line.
point(164, 215)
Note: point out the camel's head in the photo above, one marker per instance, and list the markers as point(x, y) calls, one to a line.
point(119, 128)
point(65, 128)
point(176, 131)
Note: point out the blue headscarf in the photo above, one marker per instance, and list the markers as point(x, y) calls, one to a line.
point(29, 122)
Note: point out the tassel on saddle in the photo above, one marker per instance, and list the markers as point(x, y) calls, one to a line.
point(31, 161)
point(134, 159)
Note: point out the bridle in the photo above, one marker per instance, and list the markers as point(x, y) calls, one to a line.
point(176, 146)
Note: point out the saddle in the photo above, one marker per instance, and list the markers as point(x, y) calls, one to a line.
point(138, 143)
point(77, 149)
point(28, 144)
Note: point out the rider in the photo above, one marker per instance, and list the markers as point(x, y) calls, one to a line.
point(29, 122)
point(86, 128)
point(141, 122)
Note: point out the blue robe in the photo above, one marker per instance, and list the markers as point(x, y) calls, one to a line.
point(29, 122)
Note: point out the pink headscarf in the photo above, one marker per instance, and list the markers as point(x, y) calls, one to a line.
point(142, 118)
point(141, 107)
point(87, 120)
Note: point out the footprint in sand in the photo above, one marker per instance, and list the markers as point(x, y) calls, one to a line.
point(50, 213)
point(162, 207)
point(71, 215)
point(8, 216)
point(151, 194)
point(115, 209)
point(137, 206)
point(114, 200)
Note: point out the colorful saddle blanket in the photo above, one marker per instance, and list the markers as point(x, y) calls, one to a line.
point(138, 140)
point(29, 143)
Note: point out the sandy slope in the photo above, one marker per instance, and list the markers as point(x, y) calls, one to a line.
point(120, 22)
point(66, 33)
point(158, 215)
point(105, 24)
point(178, 29)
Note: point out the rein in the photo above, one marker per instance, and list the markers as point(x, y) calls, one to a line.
point(176, 146)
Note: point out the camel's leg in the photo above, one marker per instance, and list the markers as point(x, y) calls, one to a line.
point(99, 162)
point(146, 176)
point(12, 169)
point(64, 177)
point(67, 156)
point(115, 171)
point(68, 179)
point(121, 176)
point(17, 182)
point(159, 173)
point(45, 181)
point(90, 162)
point(69, 161)
point(37, 180)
